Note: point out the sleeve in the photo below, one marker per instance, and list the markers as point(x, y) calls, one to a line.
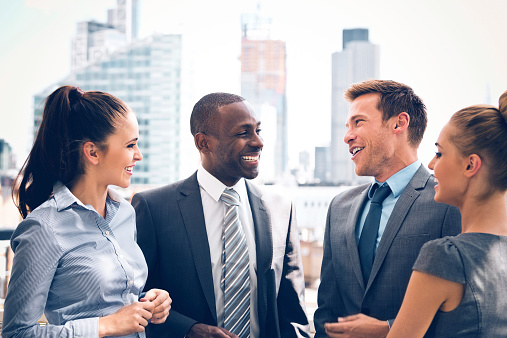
point(441, 258)
point(36, 256)
point(291, 302)
point(329, 298)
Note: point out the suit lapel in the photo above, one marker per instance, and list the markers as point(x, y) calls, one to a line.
point(399, 213)
point(354, 216)
point(190, 204)
point(264, 247)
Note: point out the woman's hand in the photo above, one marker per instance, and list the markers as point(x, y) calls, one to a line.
point(162, 303)
point(127, 320)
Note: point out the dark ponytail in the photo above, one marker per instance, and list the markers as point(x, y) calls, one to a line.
point(70, 118)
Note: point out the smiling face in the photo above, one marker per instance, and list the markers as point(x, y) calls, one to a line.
point(119, 157)
point(448, 165)
point(370, 140)
point(235, 150)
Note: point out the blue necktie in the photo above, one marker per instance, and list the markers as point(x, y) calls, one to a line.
point(235, 281)
point(368, 239)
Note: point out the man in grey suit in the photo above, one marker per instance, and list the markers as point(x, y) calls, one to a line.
point(183, 228)
point(362, 287)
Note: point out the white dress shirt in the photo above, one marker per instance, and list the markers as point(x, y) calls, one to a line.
point(214, 212)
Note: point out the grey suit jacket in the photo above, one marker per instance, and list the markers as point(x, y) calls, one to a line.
point(172, 234)
point(415, 219)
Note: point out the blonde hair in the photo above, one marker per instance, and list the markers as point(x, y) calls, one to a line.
point(482, 130)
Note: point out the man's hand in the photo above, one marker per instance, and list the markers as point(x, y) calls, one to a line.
point(203, 330)
point(357, 326)
point(162, 303)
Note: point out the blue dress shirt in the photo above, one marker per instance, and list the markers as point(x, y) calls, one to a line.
point(397, 183)
point(73, 265)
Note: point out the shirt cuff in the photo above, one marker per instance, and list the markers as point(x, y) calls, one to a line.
point(86, 327)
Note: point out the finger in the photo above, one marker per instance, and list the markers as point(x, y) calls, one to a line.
point(334, 334)
point(146, 314)
point(334, 328)
point(148, 306)
point(166, 305)
point(228, 334)
point(151, 294)
point(143, 321)
point(347, 318)
point(160, 315)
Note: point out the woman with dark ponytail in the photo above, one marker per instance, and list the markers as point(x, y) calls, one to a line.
point(76, 259)
point(457, 288)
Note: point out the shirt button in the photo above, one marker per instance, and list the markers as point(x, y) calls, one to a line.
point(107, 233)
point(130, 282)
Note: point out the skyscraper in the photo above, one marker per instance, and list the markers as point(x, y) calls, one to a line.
point(322, 161)
point(94, 40)
point(263, 77)
point(358, 61)
point(146, 74)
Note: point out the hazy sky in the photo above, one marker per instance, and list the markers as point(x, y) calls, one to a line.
point(453, 53)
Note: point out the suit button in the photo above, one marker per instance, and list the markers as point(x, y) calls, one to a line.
point(365, 311)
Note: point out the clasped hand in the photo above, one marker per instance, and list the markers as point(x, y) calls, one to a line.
point(357, 326)
point(153, 307)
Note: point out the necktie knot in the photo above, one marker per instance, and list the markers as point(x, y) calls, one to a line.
point(230, 197)
point(380, 194)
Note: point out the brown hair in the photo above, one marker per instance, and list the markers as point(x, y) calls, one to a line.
point(482, 130)
point(71, 117)
point(395, 98)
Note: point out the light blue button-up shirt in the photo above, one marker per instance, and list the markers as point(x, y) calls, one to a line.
point(73, 265)
point(397, 183)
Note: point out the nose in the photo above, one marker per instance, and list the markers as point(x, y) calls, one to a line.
point(431, 165)
point(138, 156)
point(349, 136)
point(257, 141)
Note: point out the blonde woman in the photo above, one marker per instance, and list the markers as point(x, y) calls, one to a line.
point(457, 288)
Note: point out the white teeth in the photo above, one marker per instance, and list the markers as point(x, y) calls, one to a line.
point(250, 158)
point(355, 150)
point(129, 169)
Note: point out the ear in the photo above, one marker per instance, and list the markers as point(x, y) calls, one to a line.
point(401, 122)
point(473, 164)
point(90, 153)
point(202, 142)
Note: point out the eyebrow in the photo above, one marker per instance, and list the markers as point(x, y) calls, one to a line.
point(248, 125)
point(134, 139)
point(354, 117)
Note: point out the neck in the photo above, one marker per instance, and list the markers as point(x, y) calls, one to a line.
point(398, 163)
point(488, 215)
point(92, 193)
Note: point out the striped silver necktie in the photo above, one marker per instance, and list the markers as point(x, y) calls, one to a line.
point(235, 269)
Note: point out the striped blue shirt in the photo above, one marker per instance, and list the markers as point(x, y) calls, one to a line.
point(73, 265)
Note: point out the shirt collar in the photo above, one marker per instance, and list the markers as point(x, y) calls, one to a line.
point(64, 197)
point(398, 181)
point(215, 188)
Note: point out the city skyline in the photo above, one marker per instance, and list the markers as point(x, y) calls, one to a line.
point(451, 53)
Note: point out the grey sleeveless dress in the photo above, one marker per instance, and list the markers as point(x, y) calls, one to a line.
point(479, 261)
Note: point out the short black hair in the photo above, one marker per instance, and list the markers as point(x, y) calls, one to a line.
point(203, 118)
